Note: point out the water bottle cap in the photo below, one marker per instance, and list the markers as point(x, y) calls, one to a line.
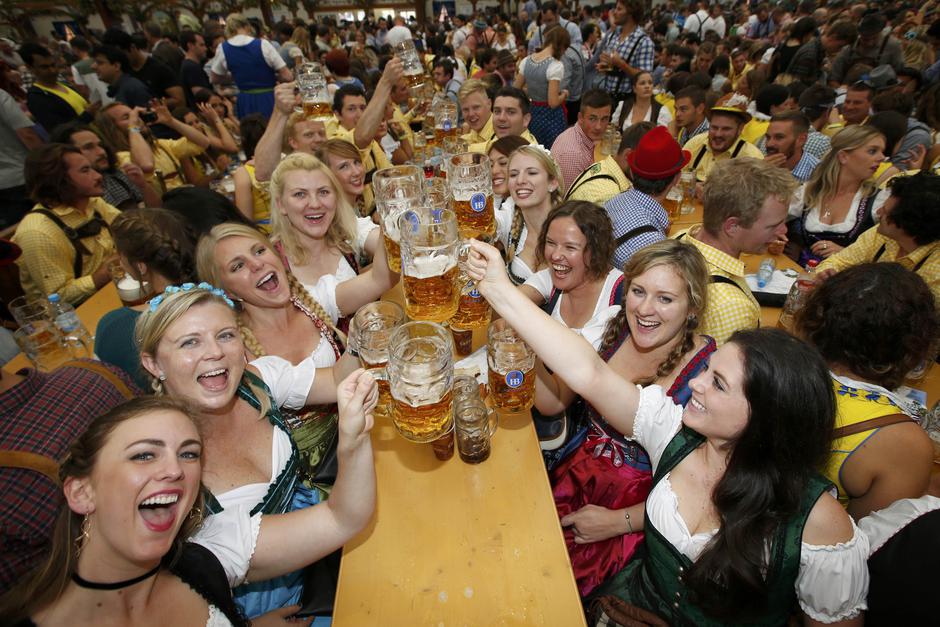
point(812, 263)
point(54, 298)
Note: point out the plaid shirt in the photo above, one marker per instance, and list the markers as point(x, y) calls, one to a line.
point(43, 414)
point(729, 308)
point(630, 210)
point(118, 189)
point(804, 167)
point(637, 50)
point(817, 144)
point(573, 151)
point(685, 135)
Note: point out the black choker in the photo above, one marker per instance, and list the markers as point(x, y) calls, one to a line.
point(117, 585)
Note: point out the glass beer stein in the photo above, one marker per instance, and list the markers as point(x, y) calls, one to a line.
point(413, 73)
point(421, 378)
point(472, 187)
point(475, 424)
point(397, 189)
point(511, 369)
point(445, 120)
point(313, 92)
point(369, 332)
point(429, 251)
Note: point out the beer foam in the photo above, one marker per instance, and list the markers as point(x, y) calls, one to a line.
point(426, 267)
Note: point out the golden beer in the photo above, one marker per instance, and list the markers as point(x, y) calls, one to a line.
point(671, 205)
point(512, 391)
point(392, 253)
point(472, 312)
point(424, 423)
point(475, 216)
point(440, 133)
point(415, 81)
point(431, 297)
point(384, 405)
point(317, 110)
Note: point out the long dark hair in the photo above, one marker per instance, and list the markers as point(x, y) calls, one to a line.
point(787, 437)
point(47, 583)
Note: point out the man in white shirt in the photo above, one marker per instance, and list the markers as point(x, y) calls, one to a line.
point(398, 33)
point(695, 23)
point(715, 21)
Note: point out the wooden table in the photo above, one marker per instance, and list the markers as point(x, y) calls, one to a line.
point(452, 543)
point(90, 312)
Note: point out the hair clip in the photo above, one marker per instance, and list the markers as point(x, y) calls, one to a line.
point(187, 287)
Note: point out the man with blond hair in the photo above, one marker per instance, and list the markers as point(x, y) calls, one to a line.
point(476, 109)
point(745, 210)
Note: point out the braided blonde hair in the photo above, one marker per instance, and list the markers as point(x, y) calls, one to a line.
point(554, 174)
point(689, 264)
point(211, 271)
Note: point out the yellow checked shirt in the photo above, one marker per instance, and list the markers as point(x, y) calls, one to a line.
point(404, 121)
point(703, 159)
point(729, 308)
point(484, 134)
point(166, 162)
point(46, 265)
point(924, 260)
point(599, 183)
point(484, 147)
point(667, 101)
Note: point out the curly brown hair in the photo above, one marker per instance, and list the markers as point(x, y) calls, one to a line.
point(879, 320)
point(47, 174)
point(594, 224)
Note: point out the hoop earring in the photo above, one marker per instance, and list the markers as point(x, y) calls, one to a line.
point(83, 537)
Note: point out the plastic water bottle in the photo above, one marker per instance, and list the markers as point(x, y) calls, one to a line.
point(72, 329)
point(765, 272)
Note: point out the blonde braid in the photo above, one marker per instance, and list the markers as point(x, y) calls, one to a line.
point(252, 345)
point(515, 232)
point(613, 330)
point(298, 291)
point(683, 347)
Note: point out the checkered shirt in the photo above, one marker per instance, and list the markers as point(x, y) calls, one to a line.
point(637, 50)
point(630, 210)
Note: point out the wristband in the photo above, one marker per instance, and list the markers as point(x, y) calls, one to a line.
point(626, 515)
point(134, 129)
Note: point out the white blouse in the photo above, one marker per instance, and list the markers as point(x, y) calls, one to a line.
point(554, 72)
point(503, 227)
point(663, 119)
point(593, 330)
point(833, 579)
point(815, 225)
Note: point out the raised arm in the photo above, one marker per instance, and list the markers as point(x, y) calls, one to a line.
point(141, 152)
point(225, 142)
point(374, 114)
point(268, 150)
point(562, 350)
point(164, 117)
point(290, 541)
point(368, 286)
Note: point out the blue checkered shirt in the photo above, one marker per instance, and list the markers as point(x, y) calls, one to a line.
point(630, 210)
point(804, 167)
point(685, 135)
point(817, 144)
point(637, 50)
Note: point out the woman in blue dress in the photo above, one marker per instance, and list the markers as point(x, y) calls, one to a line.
point(541, 74)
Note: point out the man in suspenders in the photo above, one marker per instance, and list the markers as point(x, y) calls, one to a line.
point(723, 139)
point(637, 214)
point(66, 240)
point(745, 210)
point(610, 176)
point(908, 234)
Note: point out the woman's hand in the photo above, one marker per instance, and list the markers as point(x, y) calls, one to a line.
point(356, 397)
point(593, 523)
point(162, 112)
point(208, 113)
point(825, 248)
point(485, 266)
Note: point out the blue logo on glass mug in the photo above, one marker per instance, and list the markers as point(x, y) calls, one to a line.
point(514, 378)
point(446, 125)
point(478, 202)
point(412, 218)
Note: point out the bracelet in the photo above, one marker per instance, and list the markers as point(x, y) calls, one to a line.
point(134, 129)
point(626, 515)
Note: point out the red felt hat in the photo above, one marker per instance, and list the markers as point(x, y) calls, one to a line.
point(658, 155)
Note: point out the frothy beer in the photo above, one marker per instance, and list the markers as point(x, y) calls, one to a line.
point(424, 423)
point(475, 216)
point(513, 390)
point(317, 110)
point(430, 286)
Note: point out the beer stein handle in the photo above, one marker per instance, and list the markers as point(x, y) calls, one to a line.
point(493, 420)
point(462, 253)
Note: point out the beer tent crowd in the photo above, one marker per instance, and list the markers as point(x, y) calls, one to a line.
point(705, 471)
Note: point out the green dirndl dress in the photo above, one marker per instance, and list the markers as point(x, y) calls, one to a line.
point(653, 580)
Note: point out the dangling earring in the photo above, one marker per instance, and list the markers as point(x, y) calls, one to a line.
point(195, 513)
point(82, 538)
point(162, 377)
point(692, 321)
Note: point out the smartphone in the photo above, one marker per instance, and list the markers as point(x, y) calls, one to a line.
point(148, 117)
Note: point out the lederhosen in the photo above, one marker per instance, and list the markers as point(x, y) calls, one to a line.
point(916, 267)
point(75, 235)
